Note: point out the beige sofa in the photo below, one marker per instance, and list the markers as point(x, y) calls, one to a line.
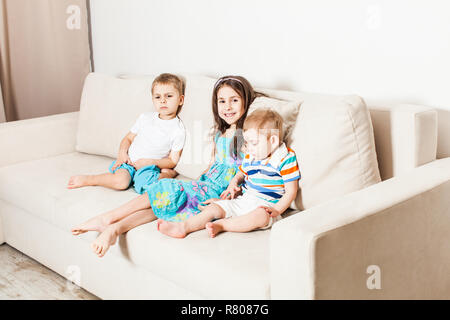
point(373, 197)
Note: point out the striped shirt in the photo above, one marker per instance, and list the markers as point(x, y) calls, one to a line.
point(266, 178)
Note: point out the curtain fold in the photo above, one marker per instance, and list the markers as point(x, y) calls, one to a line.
point(2, 107)
point(44, 56)
point(4, 96)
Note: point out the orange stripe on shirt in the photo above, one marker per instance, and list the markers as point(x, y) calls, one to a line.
point(273, 185)
point(287, 171)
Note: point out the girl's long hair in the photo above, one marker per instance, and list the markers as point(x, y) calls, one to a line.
point(247, 94)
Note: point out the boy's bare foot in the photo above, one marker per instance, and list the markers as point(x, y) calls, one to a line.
point(106, 239)
point(213, 229)
point(172, 229)
point(167, 173)
point(77, 182)
point(98, 223)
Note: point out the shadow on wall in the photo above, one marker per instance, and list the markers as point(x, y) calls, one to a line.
point(381, 122)
point(443, 148)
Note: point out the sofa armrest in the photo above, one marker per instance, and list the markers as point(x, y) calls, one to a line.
point(400, 226)
point(405, 137)
point(37, 138)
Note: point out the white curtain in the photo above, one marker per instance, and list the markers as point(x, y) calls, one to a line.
point(2, 41)
point(2, 107)
point(44, 56)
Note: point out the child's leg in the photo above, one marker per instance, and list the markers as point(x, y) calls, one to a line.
point(195, 223)
point(100, 222)
point(119, 180)
point(255, 219)
point(167, 173)
point(109, 236)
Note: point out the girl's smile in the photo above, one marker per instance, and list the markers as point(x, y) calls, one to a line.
point(230, 105)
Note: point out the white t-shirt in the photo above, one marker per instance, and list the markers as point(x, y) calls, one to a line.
point(155, 138)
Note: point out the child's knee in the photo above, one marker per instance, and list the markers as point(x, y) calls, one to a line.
point(261, 216)
point(217, 211)
point(121, 182)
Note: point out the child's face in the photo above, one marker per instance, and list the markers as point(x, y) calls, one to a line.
point(260, 143)
point(166, 99)
point(229, 105)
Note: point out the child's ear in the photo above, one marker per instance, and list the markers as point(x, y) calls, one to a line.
point(274, 141)
point(181, 100)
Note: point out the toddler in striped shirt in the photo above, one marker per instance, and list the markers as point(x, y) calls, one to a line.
point(269, 176)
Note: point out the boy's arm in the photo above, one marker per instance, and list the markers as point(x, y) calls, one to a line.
point(125, 144)
point(165, 163)
point(291, 189)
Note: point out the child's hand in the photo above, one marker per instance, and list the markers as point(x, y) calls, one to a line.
point(142, 163)
point(230, 192)
point(271, 210)
point(203, 204)
point(121, 159)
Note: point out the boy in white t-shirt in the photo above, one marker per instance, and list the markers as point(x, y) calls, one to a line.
point(153, 146)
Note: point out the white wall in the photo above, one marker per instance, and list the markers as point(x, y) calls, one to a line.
point(385, 51)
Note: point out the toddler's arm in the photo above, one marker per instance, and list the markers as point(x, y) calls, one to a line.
point(125, 144)
point(233, 187)
point(291, 189)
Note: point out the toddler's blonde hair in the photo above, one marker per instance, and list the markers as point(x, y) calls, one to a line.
point(265, 120)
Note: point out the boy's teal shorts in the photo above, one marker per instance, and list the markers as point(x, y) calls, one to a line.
point(143, 177)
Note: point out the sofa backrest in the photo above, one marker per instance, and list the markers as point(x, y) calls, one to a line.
point(333, 136)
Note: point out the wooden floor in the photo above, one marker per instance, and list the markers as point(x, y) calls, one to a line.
point(21, 277)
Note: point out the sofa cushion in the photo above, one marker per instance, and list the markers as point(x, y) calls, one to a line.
point(39, 187)
point(241, 260)
point(334, 142)
point(288, 111)
point(109, 108)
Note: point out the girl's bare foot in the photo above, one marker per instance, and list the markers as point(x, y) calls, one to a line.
point(98, 223)
point(172, 229)
point(213, 229)
point(106, 239)
point(77, 182)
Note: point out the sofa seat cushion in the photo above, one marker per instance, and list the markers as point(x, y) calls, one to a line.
point(229, 266)
point(241, 260)
point(39, 187)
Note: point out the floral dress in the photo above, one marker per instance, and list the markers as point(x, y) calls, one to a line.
point(176, 200)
